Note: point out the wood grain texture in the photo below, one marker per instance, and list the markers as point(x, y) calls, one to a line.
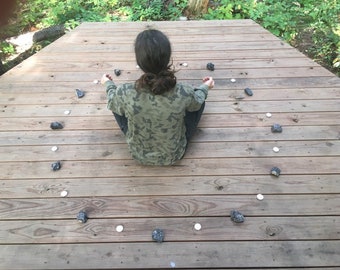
point(226, 165)
point(176, 229)
point(170, 206)
point(202, 254)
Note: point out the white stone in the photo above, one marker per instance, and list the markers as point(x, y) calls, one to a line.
point(54, 148)
point(276, 149)
point(119, 228)
point(198, 226)
point(269, 115)
point(183, 18)
point(259, 197)
point(64, 193)
point(67, 112)
point(233, 80)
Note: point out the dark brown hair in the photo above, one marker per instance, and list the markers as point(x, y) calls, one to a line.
point(153, 52)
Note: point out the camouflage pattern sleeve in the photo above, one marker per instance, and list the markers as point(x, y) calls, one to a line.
point(198, 96)
point(115, 97)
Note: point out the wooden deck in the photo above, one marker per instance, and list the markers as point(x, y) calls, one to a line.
point(295, 226)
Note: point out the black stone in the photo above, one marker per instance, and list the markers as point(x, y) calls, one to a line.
point(236, 216)
point(56, 166)
point(275, 171)
point(248, 91)
point(210, 66)
point(56, 125)
point(276, 128)
point(82, 217)
point(80, 93)
point(158, 235)
point(117, 72)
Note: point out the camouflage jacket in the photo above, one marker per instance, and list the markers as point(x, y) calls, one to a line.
point(156, 128)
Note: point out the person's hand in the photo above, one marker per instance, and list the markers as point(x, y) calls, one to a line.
point(209, 81)
point(105, 78)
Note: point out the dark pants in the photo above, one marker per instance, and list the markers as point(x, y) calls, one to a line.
point(191, 121)
point(122, 122)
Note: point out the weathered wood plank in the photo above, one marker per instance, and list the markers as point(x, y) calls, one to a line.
point(176, 229)
point(207, 120)
point(130, 65)
point(201, 150)
point(240, 84)
point(170, 206)
point(225, 107)
point(155, 256)
point(97, 96)
point(254, 119)
point(176, 37)
point(245, 73)
point(132, 32)
point(185, 47)
point(274, 106)
point(283, 94)
point(169, 185)
point(211, 166)
point(260, 133)
point(260, 149)
point(104, 58)
point(66, 137)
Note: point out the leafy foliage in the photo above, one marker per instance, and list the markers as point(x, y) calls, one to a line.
point(229, 9)
point(294, 21)
point(45, 13)
point(6, 48)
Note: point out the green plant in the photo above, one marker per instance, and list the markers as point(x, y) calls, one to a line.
point(174, 9)
point(147, 10)
point(222, 12)
point(302, 23)
point(43, 13)
point(6, 49)
point(326, 34)
point(229, 9)
point(151, 10)
point(273, 15)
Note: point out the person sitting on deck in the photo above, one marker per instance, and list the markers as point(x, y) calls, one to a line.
point(157, 115)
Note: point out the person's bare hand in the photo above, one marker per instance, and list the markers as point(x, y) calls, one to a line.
point(105, 78)
point(209, 81)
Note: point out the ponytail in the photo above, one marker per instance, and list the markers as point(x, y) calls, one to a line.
point(157, 83)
